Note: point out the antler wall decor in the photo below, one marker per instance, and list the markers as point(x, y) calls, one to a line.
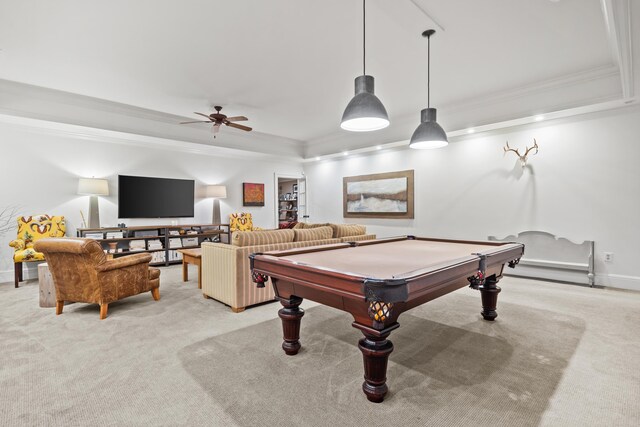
point(522, 157)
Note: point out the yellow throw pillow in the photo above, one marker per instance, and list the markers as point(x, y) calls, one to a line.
point(240, 222)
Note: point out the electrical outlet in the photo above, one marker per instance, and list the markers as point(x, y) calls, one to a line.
point(608, 257)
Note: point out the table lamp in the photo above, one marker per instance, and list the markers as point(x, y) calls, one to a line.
point(216, 192)
point(94, 188)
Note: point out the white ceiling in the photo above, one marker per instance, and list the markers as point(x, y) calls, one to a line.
point(289, 65)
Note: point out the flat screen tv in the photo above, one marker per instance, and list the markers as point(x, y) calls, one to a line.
point(145, 197)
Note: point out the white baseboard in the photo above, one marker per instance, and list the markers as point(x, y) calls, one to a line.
point(614, 281)
point(619, 281)
point(548, 274)
point(29, 272)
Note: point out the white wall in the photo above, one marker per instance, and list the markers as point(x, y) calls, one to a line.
point(39, 173)
point(584, 185)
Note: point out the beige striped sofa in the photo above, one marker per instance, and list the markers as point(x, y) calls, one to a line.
point(226, 275)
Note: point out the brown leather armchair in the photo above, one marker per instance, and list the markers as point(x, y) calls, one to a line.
point(82, 273)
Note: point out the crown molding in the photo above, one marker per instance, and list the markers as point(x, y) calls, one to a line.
point(53, 106)
point(489, 129)
point(602, 73)
point(589, 87)
point(617, 16)
point(44, 127)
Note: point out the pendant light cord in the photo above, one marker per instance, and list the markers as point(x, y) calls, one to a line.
point(428, 71)
point(364, 37)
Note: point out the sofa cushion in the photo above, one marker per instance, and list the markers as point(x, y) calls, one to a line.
point(347, 230)
point(304, 225)
point(307, 234)
point(29, 254)
point(325, 224)
point(266, 237)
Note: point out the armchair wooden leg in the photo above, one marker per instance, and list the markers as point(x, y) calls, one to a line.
point(155, 293)
point(18, 272)
point(103, 311)
point(59, 307)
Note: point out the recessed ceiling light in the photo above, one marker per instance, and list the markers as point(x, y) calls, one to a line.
point(470, 130)
point(378, 147)
point(539, 118)
point(317, 157)
point(345, 153)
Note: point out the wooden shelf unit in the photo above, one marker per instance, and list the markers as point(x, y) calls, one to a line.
point(162, 233)
point(289, 214)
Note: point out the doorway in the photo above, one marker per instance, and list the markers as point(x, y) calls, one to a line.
point(291, 200)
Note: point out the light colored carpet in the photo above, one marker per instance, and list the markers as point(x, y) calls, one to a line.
point(557, 355)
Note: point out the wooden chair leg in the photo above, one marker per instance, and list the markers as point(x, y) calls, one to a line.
point(18, 273)
point(103, 311)
point(59, 307)
point(155, 293)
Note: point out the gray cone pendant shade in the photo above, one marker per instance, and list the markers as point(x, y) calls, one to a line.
point(428, 134)
point(364, 112)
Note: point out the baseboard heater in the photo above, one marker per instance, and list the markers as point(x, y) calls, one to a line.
point(549, 257)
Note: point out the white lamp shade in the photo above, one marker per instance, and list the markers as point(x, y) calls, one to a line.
point(93, 186)
point(217, 191)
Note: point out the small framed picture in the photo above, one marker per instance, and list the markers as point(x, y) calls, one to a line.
point(252, 194)
point(295, 196)
point(287, 196)
point(295, 188)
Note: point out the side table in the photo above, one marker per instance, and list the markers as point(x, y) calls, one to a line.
point(47, 289)
point(191, 256)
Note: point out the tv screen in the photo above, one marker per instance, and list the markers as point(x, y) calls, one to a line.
point(144, 197)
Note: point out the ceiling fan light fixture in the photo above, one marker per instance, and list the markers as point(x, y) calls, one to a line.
point(365, 111)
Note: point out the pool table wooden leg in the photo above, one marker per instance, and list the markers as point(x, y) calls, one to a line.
point(291, 314)
point(375, 350)
point(489, 294)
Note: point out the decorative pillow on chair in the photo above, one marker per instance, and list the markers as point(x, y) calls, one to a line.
point(241, 222)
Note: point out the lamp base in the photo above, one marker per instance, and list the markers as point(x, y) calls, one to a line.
point(216, 212)
point(94, 212)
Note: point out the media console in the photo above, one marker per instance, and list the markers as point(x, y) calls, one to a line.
point(162, 241)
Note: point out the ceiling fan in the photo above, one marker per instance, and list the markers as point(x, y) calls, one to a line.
point(218, 119)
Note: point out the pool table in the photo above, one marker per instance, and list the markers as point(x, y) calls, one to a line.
point(376, 281)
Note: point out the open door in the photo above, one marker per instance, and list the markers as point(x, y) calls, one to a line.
point(303, 215)
point(291, 200)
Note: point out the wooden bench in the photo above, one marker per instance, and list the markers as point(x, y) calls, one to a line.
point(549, 257)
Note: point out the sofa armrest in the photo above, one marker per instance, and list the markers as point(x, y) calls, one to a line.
point(226, 273)
point(17, 244)
point(123, 262)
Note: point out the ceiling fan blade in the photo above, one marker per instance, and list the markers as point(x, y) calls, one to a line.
point(197, 121)
point(237, 119)
point(234, 125)
point(203, 115)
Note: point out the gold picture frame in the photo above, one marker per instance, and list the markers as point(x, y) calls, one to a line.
point(380, 195)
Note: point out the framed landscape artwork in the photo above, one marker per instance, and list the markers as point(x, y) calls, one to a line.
point(252, 194)
point(382, 195)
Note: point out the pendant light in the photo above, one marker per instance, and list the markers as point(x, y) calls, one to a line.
point(365, 112)
point(428, 134)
